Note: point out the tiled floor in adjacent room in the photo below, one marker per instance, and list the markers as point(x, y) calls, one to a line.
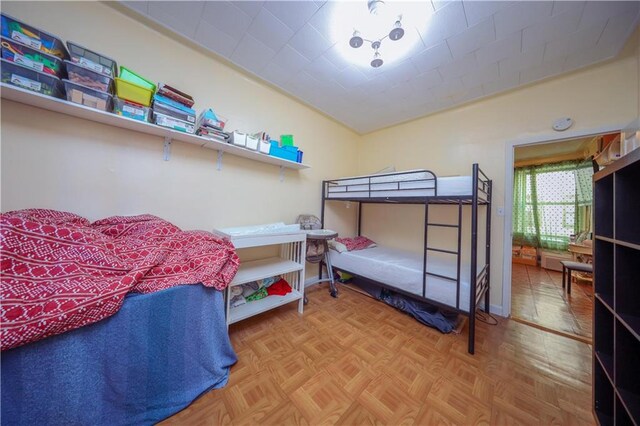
point(355, 361)
point(537, 296)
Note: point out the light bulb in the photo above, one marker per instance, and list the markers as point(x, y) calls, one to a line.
point(356, 41)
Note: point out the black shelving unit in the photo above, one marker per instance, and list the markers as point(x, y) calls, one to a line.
point(616, 308)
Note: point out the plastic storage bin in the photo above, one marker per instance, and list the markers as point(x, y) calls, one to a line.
point(286, 140)
point(285, 152)
point(92, 60)
point(31, 58)
point(87, 96)
point(31, 79)
point(130, 76)
point(173, 123)
point(131, 110)
point(84, 76)
point(173, 112)
point(264, 146)
point(208, 118)
point(132, 92)
point(32, 37)
point(253, 142)
point(237, 138)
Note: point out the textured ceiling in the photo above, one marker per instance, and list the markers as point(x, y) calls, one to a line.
point(465, 50)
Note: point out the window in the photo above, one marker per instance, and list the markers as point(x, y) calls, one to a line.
point(551, 203)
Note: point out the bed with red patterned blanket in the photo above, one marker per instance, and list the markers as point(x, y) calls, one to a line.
point(61, 272)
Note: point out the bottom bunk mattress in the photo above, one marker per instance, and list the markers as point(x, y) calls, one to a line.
point(151, 359)
point(402, 270)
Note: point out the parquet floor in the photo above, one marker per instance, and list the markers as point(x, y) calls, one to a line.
point(356, 361)
point(537, 296)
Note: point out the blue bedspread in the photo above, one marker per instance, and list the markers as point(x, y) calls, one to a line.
point(148, 361)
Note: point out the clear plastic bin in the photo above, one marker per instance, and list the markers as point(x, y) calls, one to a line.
point(85, 77)
point(173, 123)
point(92, 60)
point(31, 58)
point(130, 110)
point(30, 79)
point(32, 37)
point(165, 109)
point(87, 96)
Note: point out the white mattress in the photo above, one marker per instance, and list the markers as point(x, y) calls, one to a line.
point(403, 270)
point(409, 184)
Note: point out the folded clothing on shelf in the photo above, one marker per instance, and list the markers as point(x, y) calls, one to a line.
point(279, 288)
point(260, 294)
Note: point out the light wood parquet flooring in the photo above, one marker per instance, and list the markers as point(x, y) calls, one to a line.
point(356, 361)
point(537, 296)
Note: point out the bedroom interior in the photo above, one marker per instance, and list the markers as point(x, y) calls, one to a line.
point(155, 157)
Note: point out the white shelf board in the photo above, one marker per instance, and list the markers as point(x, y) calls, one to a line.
point(250, 309)
point(38, 100)
point(264, 268)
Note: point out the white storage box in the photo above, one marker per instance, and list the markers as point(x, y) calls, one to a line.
point(264, 146)
point(239, 139)
point(252, 142)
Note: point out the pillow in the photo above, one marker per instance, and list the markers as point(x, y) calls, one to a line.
point(339, 247)
point(356, 243)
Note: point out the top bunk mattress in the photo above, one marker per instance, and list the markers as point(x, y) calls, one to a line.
point(412, 183)
point(403, 270)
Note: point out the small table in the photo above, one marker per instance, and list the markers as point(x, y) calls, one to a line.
point(580, 249)
point(584, 254)
point(322, 236)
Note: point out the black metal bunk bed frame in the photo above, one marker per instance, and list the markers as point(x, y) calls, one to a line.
point(479, 284)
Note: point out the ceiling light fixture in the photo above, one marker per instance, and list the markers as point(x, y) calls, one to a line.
point(375, 8)
point(359, 23)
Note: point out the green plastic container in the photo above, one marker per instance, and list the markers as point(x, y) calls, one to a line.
point(286, 140)
point(130, 76)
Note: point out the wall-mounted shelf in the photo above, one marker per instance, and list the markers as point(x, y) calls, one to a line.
point(38, 100)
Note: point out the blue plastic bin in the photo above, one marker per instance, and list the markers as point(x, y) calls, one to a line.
point(285, 152)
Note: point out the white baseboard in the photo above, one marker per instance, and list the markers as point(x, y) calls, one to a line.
point(496, 310)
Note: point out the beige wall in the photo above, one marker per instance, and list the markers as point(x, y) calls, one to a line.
point(449, 142)
point(56, 161)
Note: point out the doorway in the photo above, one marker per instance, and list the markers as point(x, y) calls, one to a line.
point(550, 223)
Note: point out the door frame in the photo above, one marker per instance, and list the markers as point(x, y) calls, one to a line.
point(508, 192)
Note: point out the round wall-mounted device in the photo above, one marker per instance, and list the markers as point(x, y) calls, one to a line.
point(562, 124)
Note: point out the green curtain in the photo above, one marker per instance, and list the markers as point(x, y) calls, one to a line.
point(551, 202)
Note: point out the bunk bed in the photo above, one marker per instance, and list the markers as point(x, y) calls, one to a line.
point(437, 275)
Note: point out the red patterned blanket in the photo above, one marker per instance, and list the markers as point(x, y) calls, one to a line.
point(60, 272)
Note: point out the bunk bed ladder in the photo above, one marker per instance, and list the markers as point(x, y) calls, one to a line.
point(457, 253)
